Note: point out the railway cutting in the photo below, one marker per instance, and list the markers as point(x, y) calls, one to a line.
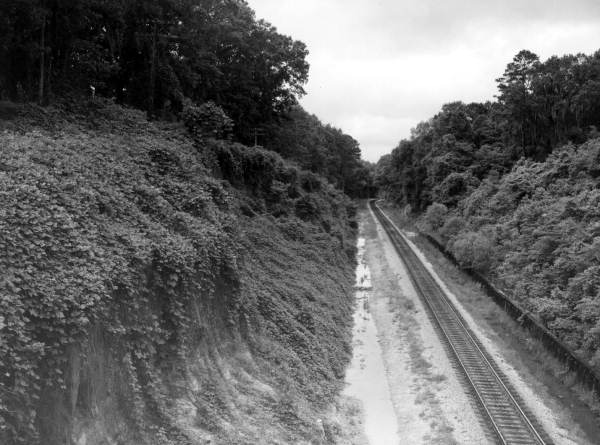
point(500, 406)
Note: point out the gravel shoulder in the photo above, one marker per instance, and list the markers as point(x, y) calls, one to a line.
point(429, 402)
point(395, 341)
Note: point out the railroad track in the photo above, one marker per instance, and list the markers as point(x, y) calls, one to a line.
point(501, 407)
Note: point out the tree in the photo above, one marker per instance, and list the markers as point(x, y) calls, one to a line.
point(435, 215)
point(473, 251)
point(320, 148)
point(153, 55)
point(516, 88)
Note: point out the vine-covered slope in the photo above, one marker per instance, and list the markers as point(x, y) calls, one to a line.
point(160, 290)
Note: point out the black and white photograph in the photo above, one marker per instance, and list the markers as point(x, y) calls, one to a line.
point(299, 222)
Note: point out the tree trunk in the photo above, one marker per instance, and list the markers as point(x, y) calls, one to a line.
point(153, 71)
point(42, 58)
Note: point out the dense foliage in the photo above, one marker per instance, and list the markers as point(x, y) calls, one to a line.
point(501, 185)
point(322, 149)
point(540, 106)
point(542, 225)
point(143, 261)
point(152, 55)
point(174, 56)
point(124, 259)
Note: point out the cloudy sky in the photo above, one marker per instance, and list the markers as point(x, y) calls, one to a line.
point(379, 67)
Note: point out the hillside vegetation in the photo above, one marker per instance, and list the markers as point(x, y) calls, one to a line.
point(165, 280)
point(512, 188)
point(162, 289)
point(162, 57)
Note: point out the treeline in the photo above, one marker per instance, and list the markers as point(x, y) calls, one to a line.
point(323, 149)
point(512, 188)
point(162, 55)
point(540, 106)
point(152, 54)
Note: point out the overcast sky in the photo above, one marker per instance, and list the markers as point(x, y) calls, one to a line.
point(379, 67)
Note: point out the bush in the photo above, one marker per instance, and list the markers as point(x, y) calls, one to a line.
point(452, 227)
point(207, 121)
point(436, 215)
point(473, 251)
point(454, 187)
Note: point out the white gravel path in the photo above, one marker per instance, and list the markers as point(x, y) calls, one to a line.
point(366, 376)
point(408, 361)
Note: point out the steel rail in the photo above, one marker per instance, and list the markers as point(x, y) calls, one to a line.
point(501, 408)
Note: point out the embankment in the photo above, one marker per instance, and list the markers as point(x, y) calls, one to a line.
point(157, 290)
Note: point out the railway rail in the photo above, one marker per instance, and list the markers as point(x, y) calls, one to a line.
point(501, 407)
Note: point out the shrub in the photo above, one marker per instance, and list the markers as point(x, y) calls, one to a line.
point(472, 250)
point(452, 227)
point(436, 215)
point(454, 187)
point(207, 121)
